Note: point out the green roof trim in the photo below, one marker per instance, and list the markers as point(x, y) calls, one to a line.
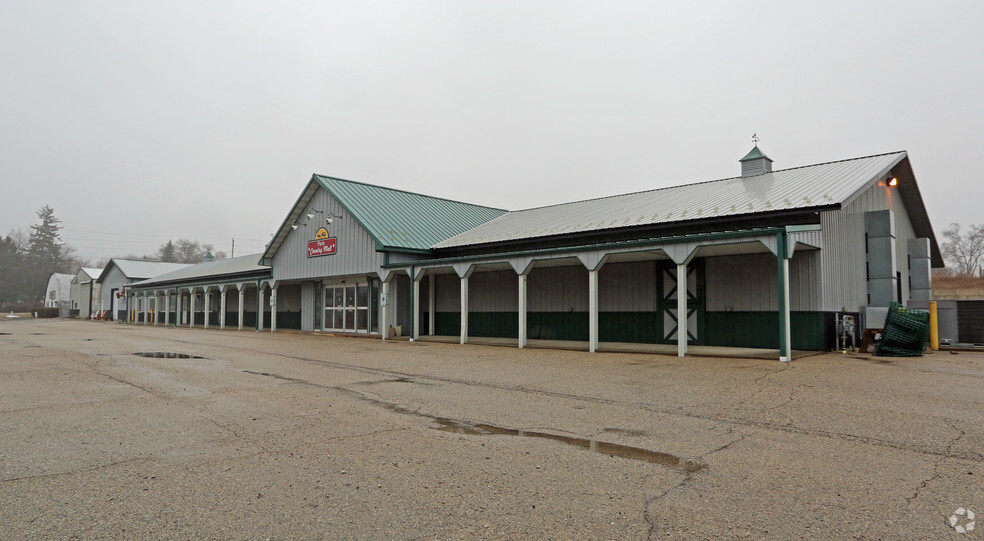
point(753, 154)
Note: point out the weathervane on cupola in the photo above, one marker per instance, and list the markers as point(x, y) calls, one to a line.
point(755, 162)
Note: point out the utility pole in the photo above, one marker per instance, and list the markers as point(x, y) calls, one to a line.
point(233, 254)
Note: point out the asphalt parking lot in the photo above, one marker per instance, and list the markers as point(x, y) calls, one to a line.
point(298, 436)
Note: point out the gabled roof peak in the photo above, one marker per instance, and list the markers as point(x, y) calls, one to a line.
point(754, 154)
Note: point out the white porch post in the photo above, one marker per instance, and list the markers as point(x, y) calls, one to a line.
point(145, 300)
point(681, 309)
point(273, 309)
point(207, 303)
point(592, 310)
point(416, 306)
point(785, 338)
point(167, 307)
point(431, 296)
point(522, 310)
point(464, 308)
point(191, 308)
point(157, 306)
point(242, 291)
point(260, 315)
point(222, 308)
point(384, 301)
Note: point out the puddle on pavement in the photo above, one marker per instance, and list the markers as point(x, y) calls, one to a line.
point(166, 355)
point(624, 431)
point(604, 447)
point(4, 334)
point(483, 429)
point(39, 334)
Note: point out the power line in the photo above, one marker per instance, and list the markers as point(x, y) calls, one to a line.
point(223, 238)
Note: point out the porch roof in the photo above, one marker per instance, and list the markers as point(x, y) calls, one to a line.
point(236, 268)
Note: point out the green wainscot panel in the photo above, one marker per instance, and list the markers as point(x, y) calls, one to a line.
point(539, 325)
point(288, 320)
point(631, 327)
point(761, 330)
point(557, 326)
point(493, 324)
point(447, 323)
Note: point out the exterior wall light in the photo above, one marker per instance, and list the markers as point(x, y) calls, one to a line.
point(331, 218)
point(893, 181)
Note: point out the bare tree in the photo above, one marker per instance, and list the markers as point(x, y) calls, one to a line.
point(964, 252)
point(187, 251)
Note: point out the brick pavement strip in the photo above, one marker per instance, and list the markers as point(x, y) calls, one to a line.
point(298, 436)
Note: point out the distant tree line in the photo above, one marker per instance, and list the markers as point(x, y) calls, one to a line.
point(186, 251)
point(27, 260)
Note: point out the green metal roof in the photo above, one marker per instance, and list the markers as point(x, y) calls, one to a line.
point(754, 153)
point(397, 220)
point(404, 220)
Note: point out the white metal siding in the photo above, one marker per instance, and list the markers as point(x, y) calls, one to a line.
point(627, 287)
point(114, 280)
point(749, 283)
point(447, 293)
point(845, 282)
point(557, 289)
point(493, 292)
point(356, 252)
point(289, 298)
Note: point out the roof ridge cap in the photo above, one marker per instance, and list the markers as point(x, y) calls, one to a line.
point(319, 175)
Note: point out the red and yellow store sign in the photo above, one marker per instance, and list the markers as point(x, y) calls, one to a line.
point(322, 244)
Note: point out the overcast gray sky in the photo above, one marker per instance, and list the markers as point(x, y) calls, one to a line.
point(143, 121)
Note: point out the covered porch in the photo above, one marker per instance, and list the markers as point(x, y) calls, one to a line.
point(626, 296)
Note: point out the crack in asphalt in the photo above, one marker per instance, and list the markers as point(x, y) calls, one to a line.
point(76, 471)
point(481, 428)
point(867, 440)
point(937, 464)
point(120, 380)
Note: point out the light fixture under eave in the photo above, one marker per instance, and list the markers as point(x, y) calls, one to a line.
point(293, 226)
point(331, 218)
point(893, 181)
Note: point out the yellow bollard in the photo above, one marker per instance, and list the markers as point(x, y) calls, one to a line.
point(934, 327)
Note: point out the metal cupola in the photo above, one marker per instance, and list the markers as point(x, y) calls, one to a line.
point(755, 163)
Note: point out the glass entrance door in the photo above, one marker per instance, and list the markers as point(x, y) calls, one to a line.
point(347, 308)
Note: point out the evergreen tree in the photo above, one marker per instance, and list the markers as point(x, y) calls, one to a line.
point(11, 270)
point(45, 253)
point(167, 253)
